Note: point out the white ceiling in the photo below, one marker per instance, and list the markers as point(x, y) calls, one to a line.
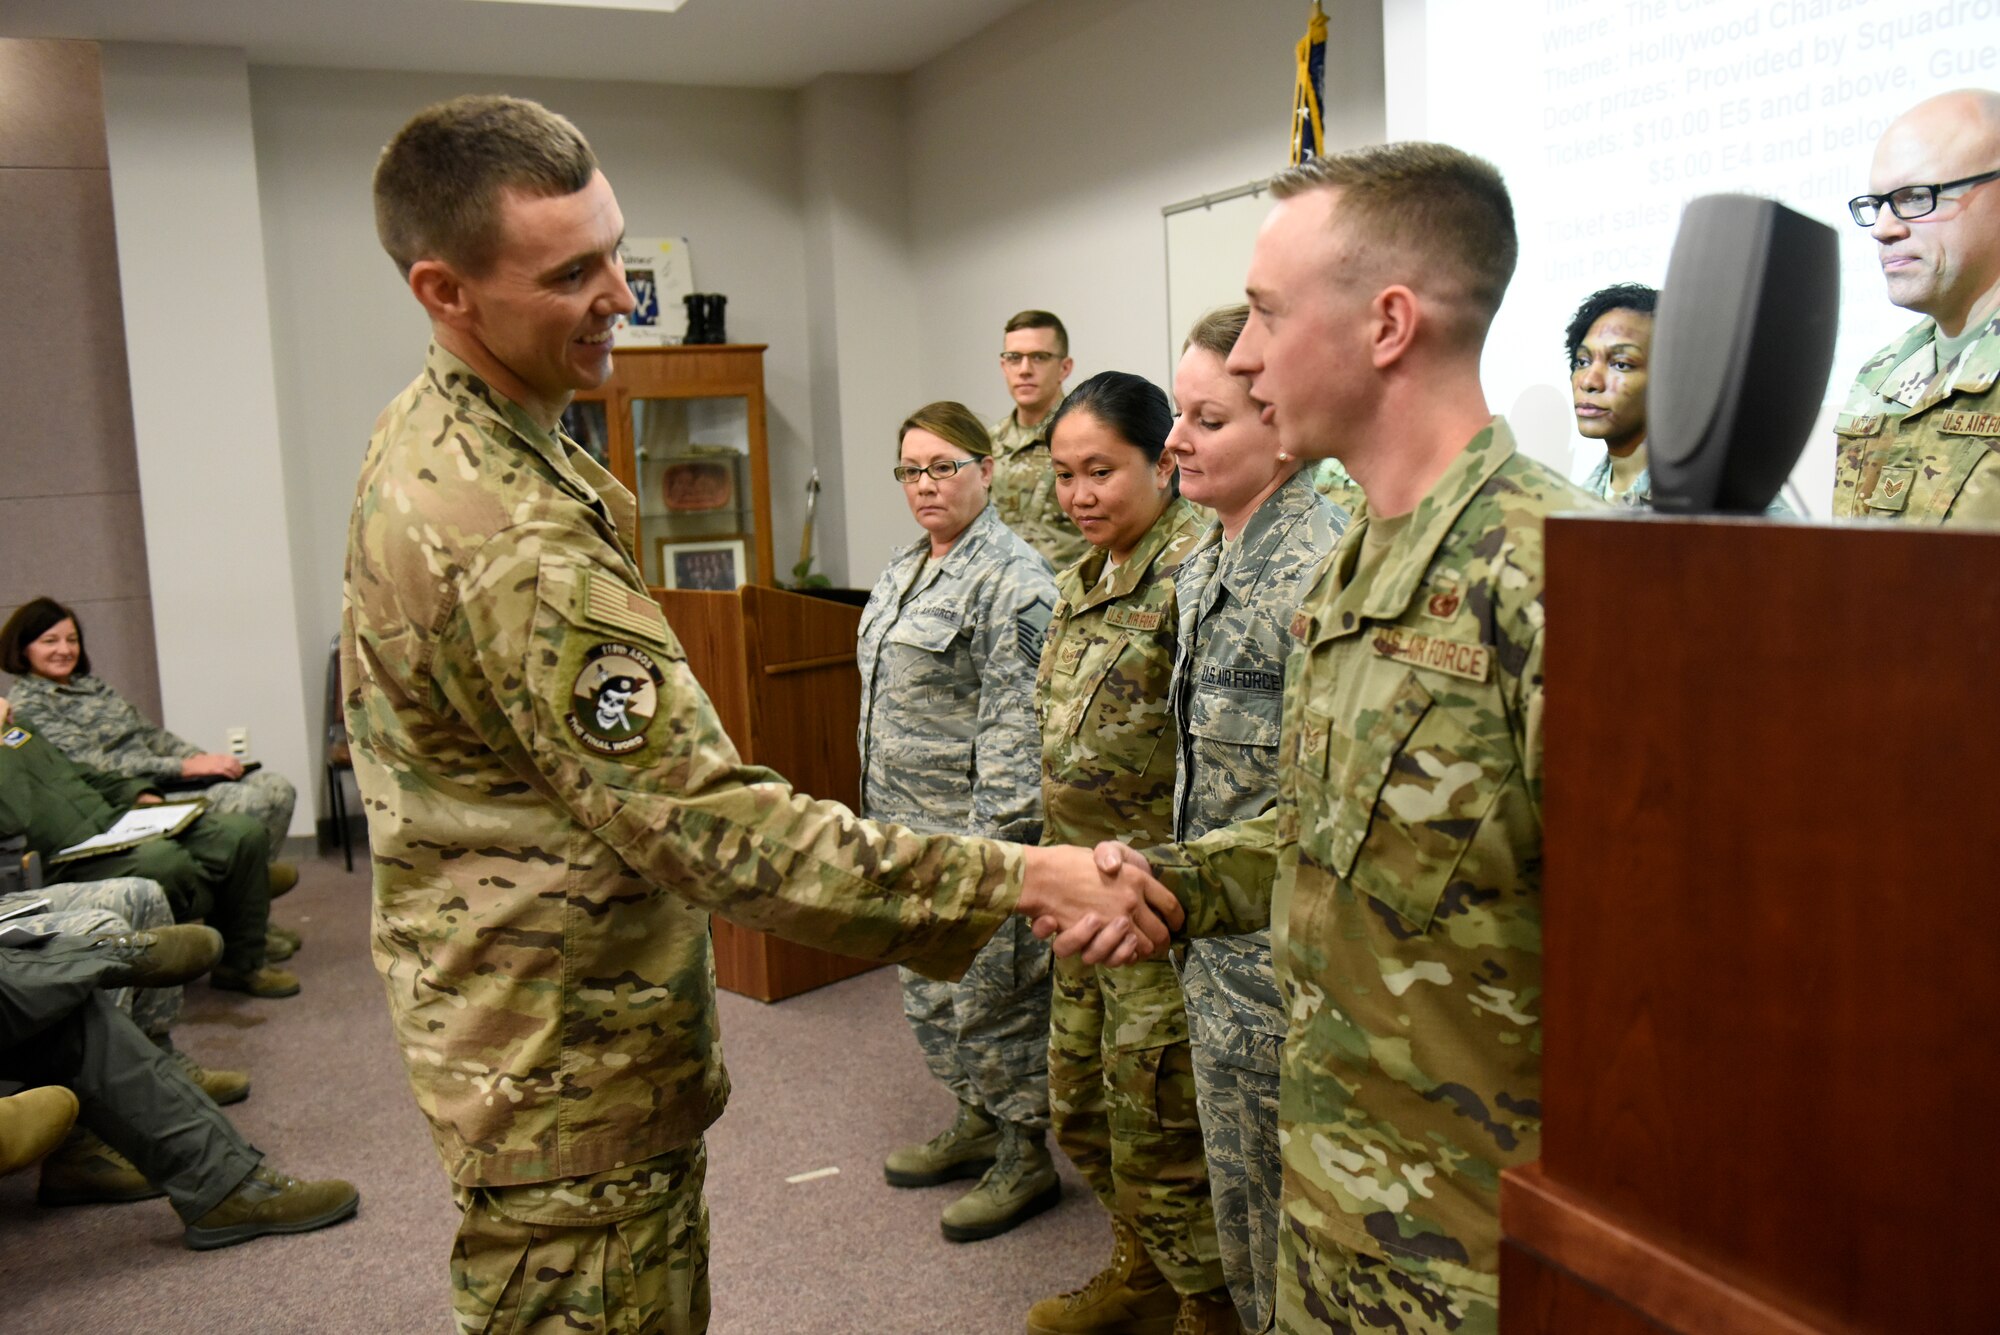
point(755, 43)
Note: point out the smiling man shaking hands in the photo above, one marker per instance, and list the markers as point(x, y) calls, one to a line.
point(553, 806)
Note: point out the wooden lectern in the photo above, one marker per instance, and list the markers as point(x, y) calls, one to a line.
point(780, 669)
point(1770, 1093)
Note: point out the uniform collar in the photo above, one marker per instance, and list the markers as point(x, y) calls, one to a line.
point(1974, 371)
point(1025, 437)
point(1388, 595)
point(1082, 585)
point(977, 536)
point(1268, 533)
point(453, 378)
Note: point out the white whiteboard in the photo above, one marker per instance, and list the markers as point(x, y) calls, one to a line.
point(1208, 253)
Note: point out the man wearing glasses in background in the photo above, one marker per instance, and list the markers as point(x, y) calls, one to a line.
point(1035, 361)
point(1919, 436)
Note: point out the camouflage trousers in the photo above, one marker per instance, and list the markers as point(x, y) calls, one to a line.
point(986, 1036)
point(264, 797)
point(1325, 1289)
point(1121, 1096)
point(623, 1252)
point(1236, 1025)
point(122, 904)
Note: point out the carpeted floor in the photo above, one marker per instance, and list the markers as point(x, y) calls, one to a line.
point(831, 1079)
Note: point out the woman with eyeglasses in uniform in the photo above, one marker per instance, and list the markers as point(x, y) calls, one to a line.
point(948, 648)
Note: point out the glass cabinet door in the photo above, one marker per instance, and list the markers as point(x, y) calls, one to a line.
point(697, 515)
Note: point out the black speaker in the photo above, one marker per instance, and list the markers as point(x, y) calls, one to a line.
point(1742, 344)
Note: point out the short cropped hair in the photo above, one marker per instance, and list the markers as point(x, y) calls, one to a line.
point(1430, 214)
point(439, 181)
point(1618, 297)
point(1041, 320)
point(952, 423)
point(31, 621)
point(1218, 330)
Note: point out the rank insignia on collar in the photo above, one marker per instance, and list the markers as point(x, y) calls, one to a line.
point(614, 698)
point(1444, 594)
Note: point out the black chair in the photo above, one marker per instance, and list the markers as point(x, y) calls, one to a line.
point(339, 758)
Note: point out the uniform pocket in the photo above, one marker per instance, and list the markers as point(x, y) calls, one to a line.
point(1121, 709)
point(1440, 783)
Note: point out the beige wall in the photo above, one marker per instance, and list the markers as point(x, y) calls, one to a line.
point(211, 473)
point(1043, 150)
point(70, 519)
point(718, 166)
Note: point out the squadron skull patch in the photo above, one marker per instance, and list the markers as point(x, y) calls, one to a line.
point(614, 697)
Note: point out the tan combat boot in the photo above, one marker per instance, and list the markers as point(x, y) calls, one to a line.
point(965, 1149)
point(1211, 1313)
point(1020, 1185)
point(32, 1123)
point(1128, 1297)
point(267, 1202)
point(83, 1170)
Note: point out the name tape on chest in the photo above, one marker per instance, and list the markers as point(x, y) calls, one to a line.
point(1968, 424)
point(1473, 662)
point(1133, 618)
point(1240, 678)
point(1869, 424)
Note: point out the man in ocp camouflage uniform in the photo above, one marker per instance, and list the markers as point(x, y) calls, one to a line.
point(1236, 602)
point(1400, 872)
point(547, 841)
point(1034, 360)
point(1918, 440)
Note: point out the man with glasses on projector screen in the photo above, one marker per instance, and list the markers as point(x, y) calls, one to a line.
point(1919, 435)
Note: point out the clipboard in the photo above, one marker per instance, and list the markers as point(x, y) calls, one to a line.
point(140, 825)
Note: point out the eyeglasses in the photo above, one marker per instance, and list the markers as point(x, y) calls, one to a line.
point(1013, 359)
point(942, 470)
point(1910, 202)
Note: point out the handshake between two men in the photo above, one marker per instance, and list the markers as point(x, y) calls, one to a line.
point(1104, 904)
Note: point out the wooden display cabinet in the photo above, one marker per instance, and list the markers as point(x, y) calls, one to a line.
point(683, 428)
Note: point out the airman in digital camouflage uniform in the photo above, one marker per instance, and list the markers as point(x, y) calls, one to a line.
point(1035, 361)
point(1918, 440)
point(1406, 842)
point(1237, 593)
point(1121, 1086)
point(948, 646)
point(553, 804)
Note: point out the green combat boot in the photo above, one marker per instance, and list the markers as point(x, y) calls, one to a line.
point(280, 944)
point(1020, 1185)
point(267, 1202)
point(966, 1149)
point(162, 957)
point(83, 1170)
point(1211, 1313)
point(1130, 1297)
point(224, 1087)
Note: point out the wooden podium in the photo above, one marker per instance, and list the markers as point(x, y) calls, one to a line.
point(780, 669)
point(1773, 975)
